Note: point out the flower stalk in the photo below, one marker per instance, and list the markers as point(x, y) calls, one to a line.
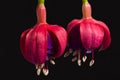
point(41, 12)
point(86, 9)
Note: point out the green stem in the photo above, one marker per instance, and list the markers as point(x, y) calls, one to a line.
point(85, 1)
point(41, 2)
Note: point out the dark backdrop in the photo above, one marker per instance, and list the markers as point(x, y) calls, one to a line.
point(19, 15)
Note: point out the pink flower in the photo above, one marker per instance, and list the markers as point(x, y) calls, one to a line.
point(86, 35)
point(43, 42)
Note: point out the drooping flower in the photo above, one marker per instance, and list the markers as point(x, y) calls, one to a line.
point(43, 42)
point(86, 35)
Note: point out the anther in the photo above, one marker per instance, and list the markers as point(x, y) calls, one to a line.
point(91, 62)
point(75, 53)
point(52, 62)
point(45, 71)
point(84, 58)
point(36, 66)
point(66, 54)
point(74, 59)
point(38, 71)
point(79, 62)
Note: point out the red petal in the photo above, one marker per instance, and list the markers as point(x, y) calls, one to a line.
point(36, 45)
point(41, 41)
point(107, 38)
point(59, 37)
point(86, 35)
point(22, 44)
point(91, 35)
point(98, 34)
point(72, 24)
point(30, 45)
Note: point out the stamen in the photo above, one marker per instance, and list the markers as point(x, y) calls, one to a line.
point(42, 65)
point(39, 68)
point(79, 54)
point(66, 54)
point(52, 62)
point(36, 66)
point(75, 53)
point(91, 62)
point(74, 59)
point(38, 71)
point(84, 58)
point(79, 62)
point(45, 71)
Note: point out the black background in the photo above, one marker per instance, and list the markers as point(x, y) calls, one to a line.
point(19, 15)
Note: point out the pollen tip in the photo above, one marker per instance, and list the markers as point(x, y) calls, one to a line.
point(38, 71)
point(52, 62)
point(45, 71)
point(74, 59)
point(84, 58)
point(74, 53)
point(42, 65)
point(79, 62)
point(91, 62)
point(66, 54)
point(36, 66)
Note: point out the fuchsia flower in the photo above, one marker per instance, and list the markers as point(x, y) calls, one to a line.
point(43, 42)
point(86, 35)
